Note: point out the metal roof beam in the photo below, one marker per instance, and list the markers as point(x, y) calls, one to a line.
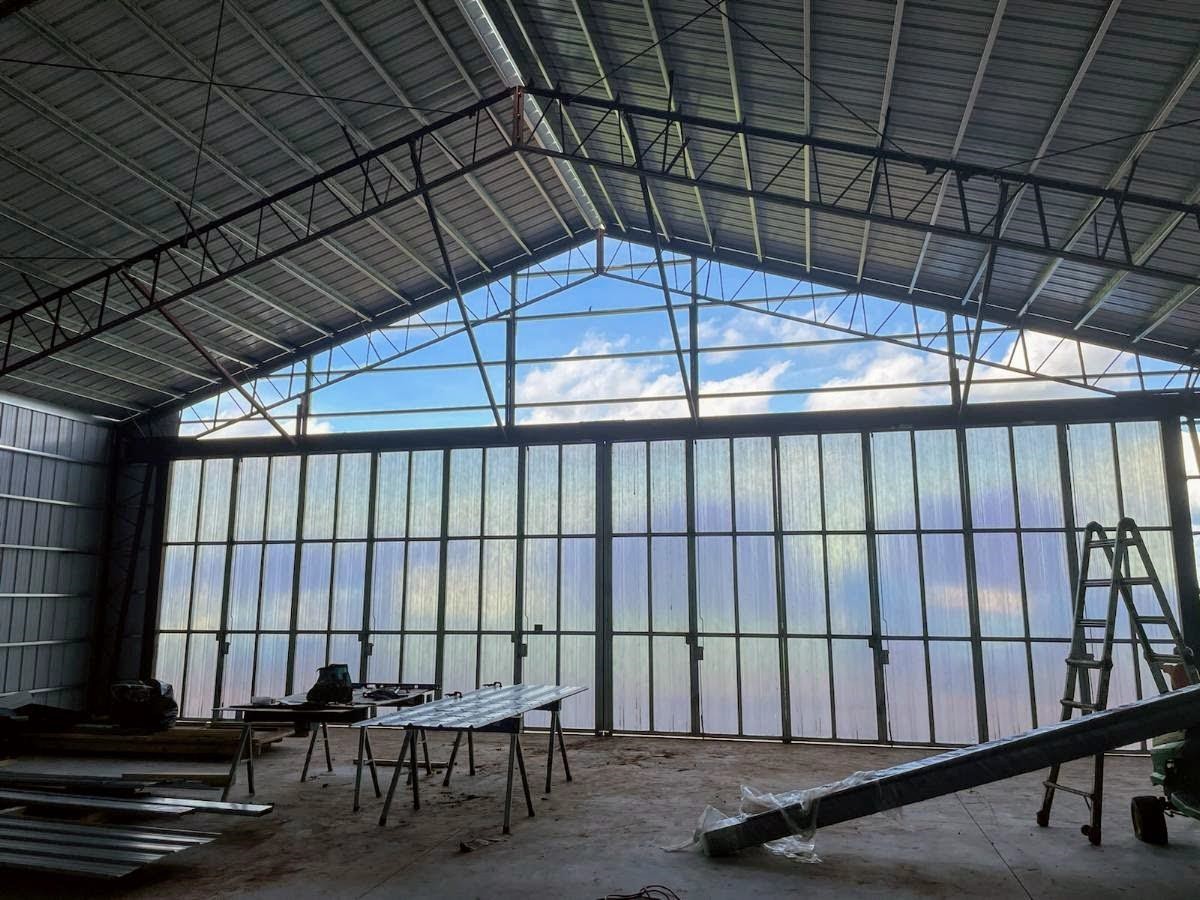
point(435, 225)
point(980, 69)
point(60, 237)
point(483, 24)
point(1081, 70)
point(690, 396)
point(231, 97)
point(583, 16)
point(453, 55)
point(1142, 255)
point(686, 156)
point(74, 360)
point(105, 149)
point(885, 103)
point(20, 160)
point(394, 86)
point(914, 167)
point(806, 127)
point(184, 135)
point(77, 390)
point(1165, 107)
point(326, 219)
point(735, 92)
point(277, 53)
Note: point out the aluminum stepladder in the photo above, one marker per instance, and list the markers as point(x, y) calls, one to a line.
point(1078, 694)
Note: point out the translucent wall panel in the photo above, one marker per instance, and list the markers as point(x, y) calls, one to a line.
point(631, 681)
point(907, 692)
point(719, 698)
point(800, 483)
point(672, 685)
point(798, 549)
point(854, 690)
point(952, 680)
point(808, 680)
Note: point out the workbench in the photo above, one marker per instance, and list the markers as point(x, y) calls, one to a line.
point(317, 717)
point(489, 709)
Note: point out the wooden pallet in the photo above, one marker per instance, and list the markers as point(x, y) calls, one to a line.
point(184, 741)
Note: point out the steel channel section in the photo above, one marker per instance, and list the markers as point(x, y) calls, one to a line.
point(1100, 409)
point(161, 473)
point(785, 686)
point(833, 728)
point(222, 635)
point(604, 614)
point(964, 486)
point(878, 654)
point(518, 625)
point(1021, 581)
point(293, 616)
point(919, 543)
point(1182, 541)
point(364, 635)
point(969, 767)
point(439, 676)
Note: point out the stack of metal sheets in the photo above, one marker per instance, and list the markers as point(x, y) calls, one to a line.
point(98, 851)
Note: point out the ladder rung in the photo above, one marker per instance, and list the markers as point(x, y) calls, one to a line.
point(1101, 542)
point(1078, 704)
point(1107, 582)
point(1070, 790)
point(1088, 663)
point(1163, 658)
point(1094, 623)
point(1152, 620)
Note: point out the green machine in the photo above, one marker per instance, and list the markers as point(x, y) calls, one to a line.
point(1176, 759)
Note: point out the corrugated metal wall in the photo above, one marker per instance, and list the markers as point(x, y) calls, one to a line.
point(53, 478)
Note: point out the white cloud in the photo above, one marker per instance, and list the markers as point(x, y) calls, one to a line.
point(874, 370)
point(617, 379)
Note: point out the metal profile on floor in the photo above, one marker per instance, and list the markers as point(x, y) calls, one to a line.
point(97, 851)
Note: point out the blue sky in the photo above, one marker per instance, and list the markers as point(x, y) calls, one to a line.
point(577, 358)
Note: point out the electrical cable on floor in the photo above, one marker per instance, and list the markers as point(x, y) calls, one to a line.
point(649, 892)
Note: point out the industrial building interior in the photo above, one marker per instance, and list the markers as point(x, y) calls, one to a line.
point(599, 448)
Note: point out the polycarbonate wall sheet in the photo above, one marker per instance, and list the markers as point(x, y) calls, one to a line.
point(460, 567)
point(909, 586)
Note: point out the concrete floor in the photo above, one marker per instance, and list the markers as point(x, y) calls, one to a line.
point(631, 797)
